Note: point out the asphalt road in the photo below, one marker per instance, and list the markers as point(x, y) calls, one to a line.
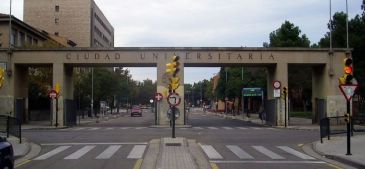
point(119, 143)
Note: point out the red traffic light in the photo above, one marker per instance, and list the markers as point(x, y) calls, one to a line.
point(348, 70)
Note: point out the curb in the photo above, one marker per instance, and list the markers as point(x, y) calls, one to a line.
point(34, 150)
point(259, 123)
point(336, 158)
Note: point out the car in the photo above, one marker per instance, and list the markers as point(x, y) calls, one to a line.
point(136, 110)
point(6, 154)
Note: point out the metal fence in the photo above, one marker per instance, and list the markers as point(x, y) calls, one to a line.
point(337, 125)
point(11, 126)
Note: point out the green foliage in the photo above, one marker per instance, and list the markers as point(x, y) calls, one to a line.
point(40, 82)
point(356, 41)
point(288, 35)
point(233, 79)
point(112, 86)
point(300, 83)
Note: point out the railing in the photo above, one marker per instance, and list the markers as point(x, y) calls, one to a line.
point(11, 126)
point(337, 125)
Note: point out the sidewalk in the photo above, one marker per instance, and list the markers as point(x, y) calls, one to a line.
point(39, 125)
point(295, 123)
point(336, 149)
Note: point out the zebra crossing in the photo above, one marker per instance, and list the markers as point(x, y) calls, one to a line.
point(235, 153)
point(151, 128)
point(77, 151)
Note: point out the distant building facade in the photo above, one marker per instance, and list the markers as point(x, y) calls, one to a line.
point(78, 20)
point(26, 36)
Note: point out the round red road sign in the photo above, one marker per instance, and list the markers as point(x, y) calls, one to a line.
point(158, 96)
point(276, 84)
point(53, 94)
point(173, 99)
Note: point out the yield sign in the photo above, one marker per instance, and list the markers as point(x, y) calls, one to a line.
point(158, 96)
point(348, 91)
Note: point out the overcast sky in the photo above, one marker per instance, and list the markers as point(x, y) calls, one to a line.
point(207, 23)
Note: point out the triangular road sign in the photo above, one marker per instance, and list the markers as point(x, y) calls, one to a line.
point(348, 91)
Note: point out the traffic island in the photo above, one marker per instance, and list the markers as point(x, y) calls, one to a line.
point(171, 153)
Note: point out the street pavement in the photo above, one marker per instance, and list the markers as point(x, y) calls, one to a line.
point(226, 142)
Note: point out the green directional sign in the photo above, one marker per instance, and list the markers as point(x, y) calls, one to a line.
point(252, 92)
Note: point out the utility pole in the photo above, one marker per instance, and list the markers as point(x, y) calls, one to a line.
point(92, 91)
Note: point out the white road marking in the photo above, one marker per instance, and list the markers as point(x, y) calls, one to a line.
point(137, 152)
point(269, 162)
point(213, 128)
point(296, 153)
point(228, 128)
point(123, 128)
point(79, 153)
point(268, 153)
point(52, 153)
point(256, 128)
point(94, 128)
point(197, 128)
point(109, 152)
point(242, 128)
point(109, 128)
point(239, 152)
point(73, 144)
point(211, 152)
point(80, 128)
point(138, 128)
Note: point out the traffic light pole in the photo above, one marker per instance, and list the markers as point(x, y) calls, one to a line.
point(173, 121)
point(56, 111)
point(348, 129)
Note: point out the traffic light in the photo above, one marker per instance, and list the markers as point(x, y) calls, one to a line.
point(347, 77)
point(347, 118)
point(285, 92)
point(173, 69)
point(2, 77)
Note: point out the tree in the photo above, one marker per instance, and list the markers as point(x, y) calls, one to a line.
point(288, 35)
point(356, 41)
point(338, 32)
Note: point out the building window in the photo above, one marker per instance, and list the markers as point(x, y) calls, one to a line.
point(56, 33)
point(56, 20)
point(14, 37)
point(22, 39)
point(29, 40)
point(57, 8)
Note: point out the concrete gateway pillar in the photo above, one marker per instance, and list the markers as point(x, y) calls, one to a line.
point(279, 72)
point(62, 75)
point(162, 87)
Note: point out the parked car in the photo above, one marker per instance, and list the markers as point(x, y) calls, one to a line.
point(136, 110)
point(6, 154)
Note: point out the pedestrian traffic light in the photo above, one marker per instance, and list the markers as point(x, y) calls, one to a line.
point(347, 118)
point(348, 76)
point(2, 77)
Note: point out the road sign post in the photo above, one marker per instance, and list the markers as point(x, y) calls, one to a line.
point(174, 100)
point(158, 97)
point(348, 90)
point(53, 94)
